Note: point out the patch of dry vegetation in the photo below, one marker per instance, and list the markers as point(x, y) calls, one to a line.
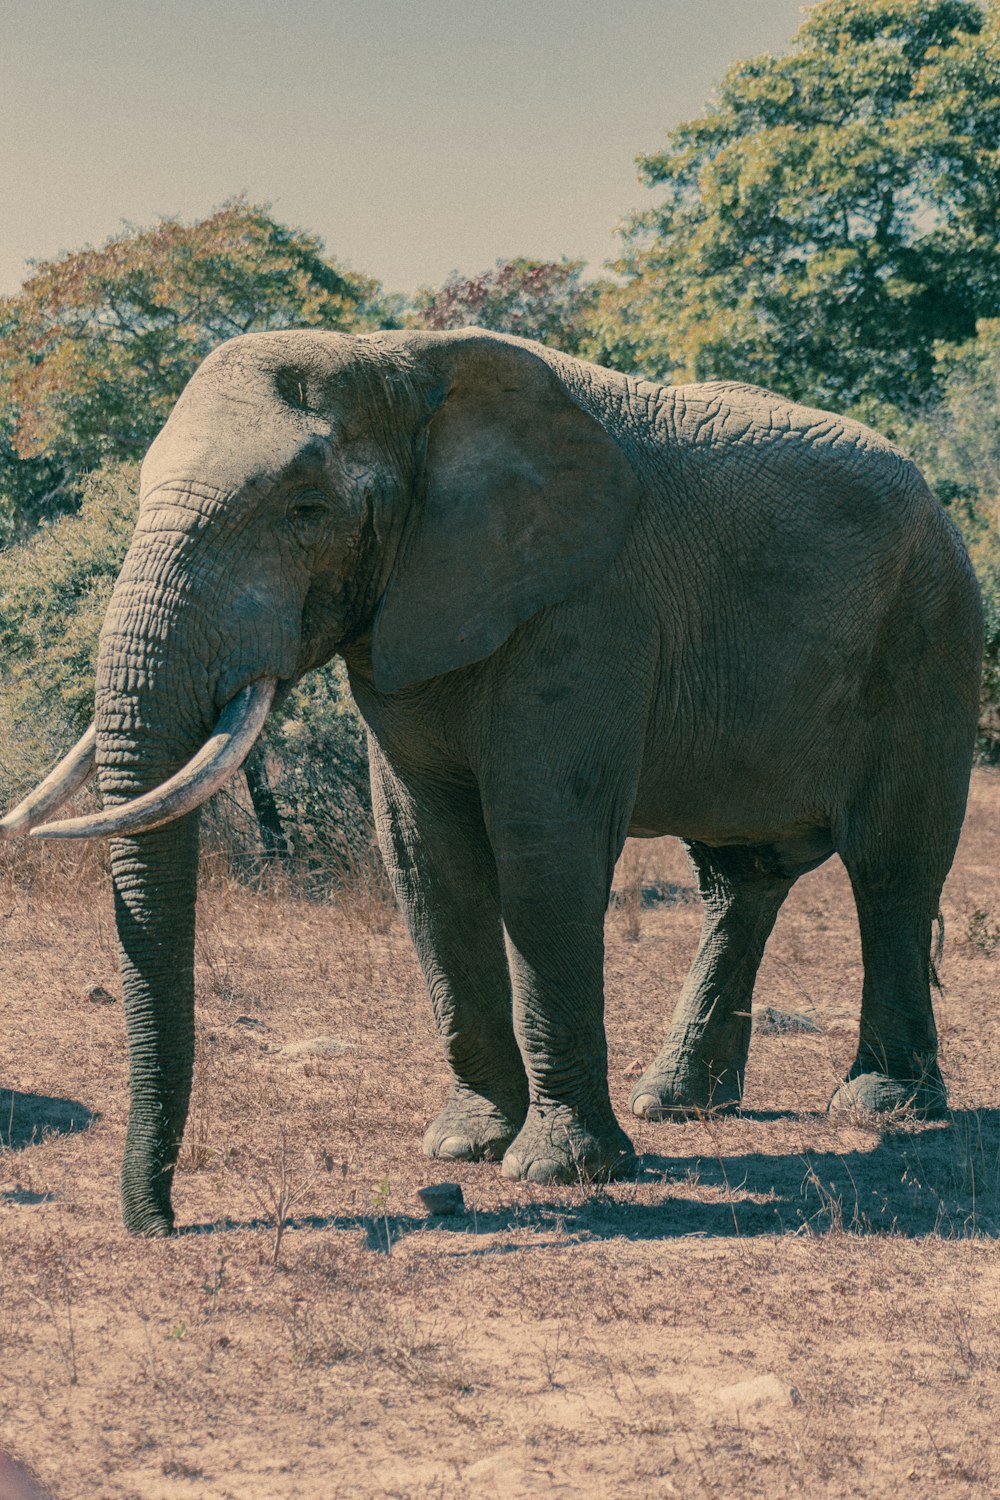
point(778, 1304)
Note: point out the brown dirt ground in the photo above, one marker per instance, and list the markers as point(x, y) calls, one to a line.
point(549, 1342)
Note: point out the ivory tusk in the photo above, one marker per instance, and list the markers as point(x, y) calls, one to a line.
point(240, 722)
point(59, 785)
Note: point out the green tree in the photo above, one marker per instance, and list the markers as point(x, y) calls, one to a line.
point(534, 299)
point(98, 344)
point(54, 590)
point(956, 441)
point(830, 217)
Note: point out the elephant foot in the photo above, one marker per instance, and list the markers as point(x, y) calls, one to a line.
point(472, 1128)
point(868, 1091)
point(555, 1145)
point(679, 1086)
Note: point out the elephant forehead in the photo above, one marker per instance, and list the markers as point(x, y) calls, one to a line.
point(299, 369)
point(222, 444)
point(253, 354)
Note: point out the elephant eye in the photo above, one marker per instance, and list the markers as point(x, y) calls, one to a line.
point(306, 513)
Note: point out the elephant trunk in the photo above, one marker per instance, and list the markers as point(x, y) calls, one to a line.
point(159, 677)
point(155, 883)
point(149, 723)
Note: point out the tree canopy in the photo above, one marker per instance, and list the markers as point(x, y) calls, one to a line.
point(830, 216)
point(534, 299)
point(54, 590)
point(956, 441)
point(98, 344)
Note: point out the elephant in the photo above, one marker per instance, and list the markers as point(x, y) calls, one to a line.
point(573, 606)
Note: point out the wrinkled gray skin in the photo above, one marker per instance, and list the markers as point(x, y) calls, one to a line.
point(573, 607)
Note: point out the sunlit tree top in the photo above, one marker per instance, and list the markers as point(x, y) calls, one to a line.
point(534, 299)
point(832, 214)
point(98, 344)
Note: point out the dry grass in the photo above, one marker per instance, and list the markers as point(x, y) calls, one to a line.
point(551, 1342)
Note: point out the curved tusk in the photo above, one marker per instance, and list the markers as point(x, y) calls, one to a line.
point(59, 785)
point(240, 722)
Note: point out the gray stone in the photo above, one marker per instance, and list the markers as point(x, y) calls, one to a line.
point(772, 1022)
point(316, 1046)
point(442, 1198)
point(98, 995)
point(757, 1396)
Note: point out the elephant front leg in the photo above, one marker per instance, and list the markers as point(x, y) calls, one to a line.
point(702, 1062)
point(442, 869)
point(555, 941)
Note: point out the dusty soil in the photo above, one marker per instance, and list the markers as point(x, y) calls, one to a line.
point(778, 1305)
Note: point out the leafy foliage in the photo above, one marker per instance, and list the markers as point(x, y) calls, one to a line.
point(989, 724)
point(534, 299)
point(54, 590)
point(956, 440)
point(830, 217)
point(98, 344)
point(317, 754)
point(828, 227)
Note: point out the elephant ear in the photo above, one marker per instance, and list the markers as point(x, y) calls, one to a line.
point(524, 498)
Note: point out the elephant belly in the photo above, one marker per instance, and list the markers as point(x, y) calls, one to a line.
point(723, 800)
point(789, 852)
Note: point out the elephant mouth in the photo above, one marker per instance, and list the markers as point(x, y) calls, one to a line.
point(222, 754)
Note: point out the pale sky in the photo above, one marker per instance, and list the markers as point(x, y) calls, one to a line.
point(415, 136)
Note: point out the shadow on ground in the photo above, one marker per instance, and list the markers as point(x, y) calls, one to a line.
point(27, 1119)
point(941, 1180)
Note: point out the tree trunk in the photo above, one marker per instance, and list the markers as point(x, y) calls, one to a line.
point(273, 837)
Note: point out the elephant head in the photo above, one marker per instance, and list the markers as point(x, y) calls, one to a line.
point(414, 496)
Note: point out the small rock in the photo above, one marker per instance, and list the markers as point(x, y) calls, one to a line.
point(518, 1471)
point(760, 1394)
point(250, 1022)
point(486, 1468)
point(98, 995)
point(329, 1163)
point(771, 1022)
point(317, 1046)
point(442, 1198)
point(634, 1069)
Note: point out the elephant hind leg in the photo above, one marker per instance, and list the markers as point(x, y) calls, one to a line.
point(702, 1062)
point(896, 1065)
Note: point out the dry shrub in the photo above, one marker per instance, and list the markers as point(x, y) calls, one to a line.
point(628, 891)
point(53, 871)
point(981, 932)
point(280, 1182)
